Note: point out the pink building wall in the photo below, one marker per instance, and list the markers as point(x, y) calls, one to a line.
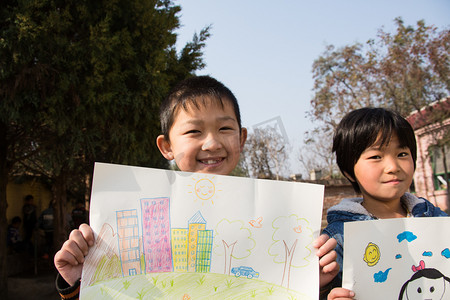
point(426, 134)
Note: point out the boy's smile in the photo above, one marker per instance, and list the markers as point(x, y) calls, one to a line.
point(204, 139)
point(384, 174)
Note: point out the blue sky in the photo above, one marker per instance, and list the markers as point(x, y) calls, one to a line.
point(264, 50)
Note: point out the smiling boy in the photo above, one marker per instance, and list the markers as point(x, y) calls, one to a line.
point(201, 131)
point(201, 127)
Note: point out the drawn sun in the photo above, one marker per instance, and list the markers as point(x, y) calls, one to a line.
point(204, 189)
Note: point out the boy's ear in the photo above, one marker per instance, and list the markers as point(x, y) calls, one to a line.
point(243, 138)
point(164, 147)
point(349, 177)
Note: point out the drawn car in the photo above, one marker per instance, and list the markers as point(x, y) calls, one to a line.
point(245, 271)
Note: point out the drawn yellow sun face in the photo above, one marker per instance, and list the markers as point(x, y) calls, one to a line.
point(204, 189)
point(372, 254)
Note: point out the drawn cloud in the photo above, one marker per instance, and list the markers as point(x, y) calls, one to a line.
point(381, 276)
point(406, 235)
point(427, 253)
point(446, 253)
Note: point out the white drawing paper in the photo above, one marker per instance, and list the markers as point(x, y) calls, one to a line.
point(174, 235)
point(405, 259)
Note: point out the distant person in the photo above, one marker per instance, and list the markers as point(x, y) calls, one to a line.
point(29, 218)
point(376, 151)
point(79, 215)
point(14, 239)
point(46, 224)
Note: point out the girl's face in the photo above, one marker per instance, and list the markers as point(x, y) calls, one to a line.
point(384, 173)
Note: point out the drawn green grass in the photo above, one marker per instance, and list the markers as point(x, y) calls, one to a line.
point(229, 283)
point(126, 284)
point(194, 285)
point(201, 280)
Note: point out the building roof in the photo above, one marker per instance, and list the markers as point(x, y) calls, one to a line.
point(439, 110)
point(197, 218)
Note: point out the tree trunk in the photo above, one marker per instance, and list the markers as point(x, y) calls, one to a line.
point(289, 254)
point(4, 171)
point(59, 190)
point(228, 256)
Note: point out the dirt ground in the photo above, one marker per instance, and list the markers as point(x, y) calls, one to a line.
point(34, 281)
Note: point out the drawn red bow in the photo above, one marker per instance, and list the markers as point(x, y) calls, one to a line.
point(421, 266)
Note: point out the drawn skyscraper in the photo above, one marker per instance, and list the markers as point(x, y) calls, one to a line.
point(179, 249)
point(204, 248)
point(127, 226)
point(195, 224)
point(156, 235)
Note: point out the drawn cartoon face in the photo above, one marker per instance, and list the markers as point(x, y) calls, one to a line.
point(205, 189)
point(372, 254)
point(425, 288)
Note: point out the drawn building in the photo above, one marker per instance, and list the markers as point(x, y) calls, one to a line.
point(128, 234)
point(192, 246)
point(179, 249)
point(204, 248)
point(156, 235)
point(195, 224)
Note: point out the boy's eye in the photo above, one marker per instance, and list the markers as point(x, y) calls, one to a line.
point(403, 154)
point(192, 131)
point(226, 128)
point(375, 157)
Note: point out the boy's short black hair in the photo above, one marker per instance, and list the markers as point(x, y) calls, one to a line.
point(361, 128)
point(194, 91)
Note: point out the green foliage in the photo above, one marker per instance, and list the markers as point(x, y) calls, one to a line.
point(403, 71)
point(82, 81)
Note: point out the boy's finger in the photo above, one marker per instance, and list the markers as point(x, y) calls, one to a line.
point(328, 258)
point(77, 240)
point(87, 233)
point(341, 293)
point(327, 246)
point(66, 256)
point(72, 248)
point(321, 240)
point(331, 268)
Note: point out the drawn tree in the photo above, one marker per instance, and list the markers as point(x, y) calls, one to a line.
point(286, 249)
point(232, 240)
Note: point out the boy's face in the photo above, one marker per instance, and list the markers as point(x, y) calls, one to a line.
point(384, 174)
point(204, 140)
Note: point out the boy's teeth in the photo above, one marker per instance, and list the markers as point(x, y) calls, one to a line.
point(210, 161)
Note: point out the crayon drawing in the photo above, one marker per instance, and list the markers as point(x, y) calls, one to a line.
point(174, 235)
point(401, 259)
